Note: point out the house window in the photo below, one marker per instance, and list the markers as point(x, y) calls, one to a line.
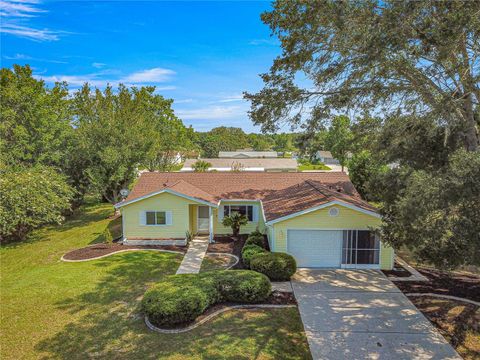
point(246, 210)
point(360, 247)
point(156, 218)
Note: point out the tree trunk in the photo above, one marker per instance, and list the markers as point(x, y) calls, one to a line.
point(471, 139)
point(471, 136)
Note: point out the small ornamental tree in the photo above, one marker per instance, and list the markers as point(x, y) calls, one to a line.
point(201, 166)
point(30, 198)
point(235, 220)
point(237, 166)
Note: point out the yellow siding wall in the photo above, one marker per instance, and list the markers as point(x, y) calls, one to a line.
point(163, 202)
point(218, 227)
point(346, 219)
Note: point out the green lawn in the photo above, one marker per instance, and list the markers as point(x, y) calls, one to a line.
point(52, 309)
point(306, 167)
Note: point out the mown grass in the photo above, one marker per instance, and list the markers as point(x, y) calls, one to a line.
point(308, 166)
point(53, 309)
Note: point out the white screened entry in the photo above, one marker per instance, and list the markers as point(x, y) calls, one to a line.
point(203, 220)
point(316, 248)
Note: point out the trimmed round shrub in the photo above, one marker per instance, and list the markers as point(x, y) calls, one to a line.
point(182, 298)
point(167, 305)
point(244, 286)
point(249, 251)
point(258, 240)
point(277, 266)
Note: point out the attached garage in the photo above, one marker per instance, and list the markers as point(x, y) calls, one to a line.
point(331, 236)
point(334, 248)
point(316, 248)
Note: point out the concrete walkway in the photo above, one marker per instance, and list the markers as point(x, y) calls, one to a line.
point(193, 258)
point(360, 314)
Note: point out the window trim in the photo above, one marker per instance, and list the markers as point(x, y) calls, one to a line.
point(229, 206)
point(155, 212)
point(351, 250)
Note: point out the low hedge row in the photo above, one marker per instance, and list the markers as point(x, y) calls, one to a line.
point(277, 266)
point(182, 298)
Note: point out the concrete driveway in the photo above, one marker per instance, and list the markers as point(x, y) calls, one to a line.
point(360, 314)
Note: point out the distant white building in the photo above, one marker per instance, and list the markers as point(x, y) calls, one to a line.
point(326, 157)
point(235, 164)
point(247, 154)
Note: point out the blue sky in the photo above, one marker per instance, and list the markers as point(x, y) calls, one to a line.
point(201, 54)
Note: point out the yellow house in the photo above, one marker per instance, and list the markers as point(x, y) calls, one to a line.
point(319, 218)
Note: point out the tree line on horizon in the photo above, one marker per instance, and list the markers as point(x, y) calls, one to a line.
point(57, 147)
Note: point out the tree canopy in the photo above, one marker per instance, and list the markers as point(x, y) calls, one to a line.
point(407, 73)
point(30, 198)
point(413, 57)
point(34, 120)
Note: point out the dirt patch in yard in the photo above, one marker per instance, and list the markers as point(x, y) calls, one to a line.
point(91, 252)
point(457, 321)
point(446, 283)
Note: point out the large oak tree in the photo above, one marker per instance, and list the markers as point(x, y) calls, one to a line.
point(414, 57)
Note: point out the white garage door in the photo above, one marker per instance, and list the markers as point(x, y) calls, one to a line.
point(315, 248)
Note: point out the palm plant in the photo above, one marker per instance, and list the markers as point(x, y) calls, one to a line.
point(235, 220)
point(201, 166)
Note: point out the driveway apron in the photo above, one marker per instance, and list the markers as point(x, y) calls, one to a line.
point(360, 314)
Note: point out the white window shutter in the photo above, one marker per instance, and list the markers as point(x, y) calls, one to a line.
point(168, 217)
point(255, 213)
point(220, 213)
point(143, 218)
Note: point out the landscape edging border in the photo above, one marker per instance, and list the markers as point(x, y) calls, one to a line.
point(237, 260)
point(120, 251)
point(211, 316)
point(441, 296)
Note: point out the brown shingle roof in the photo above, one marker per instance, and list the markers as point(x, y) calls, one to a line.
point(282, 194)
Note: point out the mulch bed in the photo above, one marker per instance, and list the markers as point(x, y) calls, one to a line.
point(227, 244)
point(230, 245)
point(454, 320)
point(94, 251)
point(275, 298)
point(442, 282)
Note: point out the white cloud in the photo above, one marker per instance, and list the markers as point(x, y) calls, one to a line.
point(154, 75)
point(16, 8)
point(14, 13)
point(98, 65)
point(210, 113)
point(233, 98)
point(184, 101)
point(99, 80)
point(27, 57)
point(30, 33)
point(257, 42)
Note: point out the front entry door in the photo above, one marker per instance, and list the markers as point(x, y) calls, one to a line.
point(203, 220)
